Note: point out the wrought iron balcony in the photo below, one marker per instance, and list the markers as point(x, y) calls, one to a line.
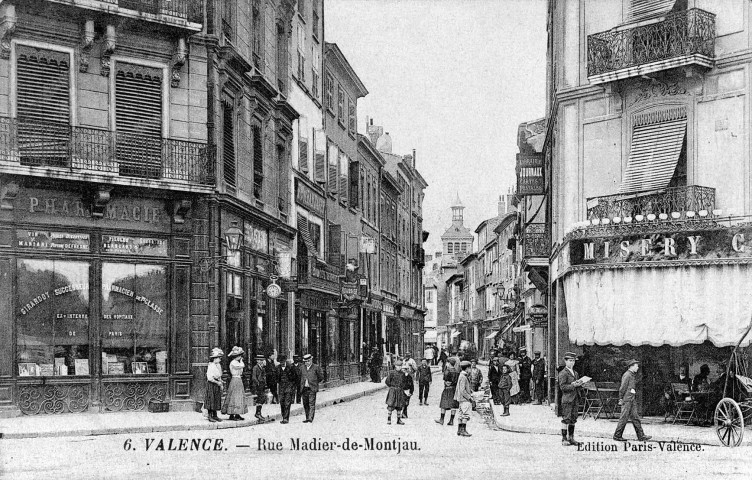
point(682, 38)
point(677, 199)
point(91, 151)
point(536, 241)
point(174, 12)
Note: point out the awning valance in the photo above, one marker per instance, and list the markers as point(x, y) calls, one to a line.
point(659, 306)
point(492, 334)
point(657, 139)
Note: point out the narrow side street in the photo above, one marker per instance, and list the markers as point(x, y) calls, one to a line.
point(439, 453)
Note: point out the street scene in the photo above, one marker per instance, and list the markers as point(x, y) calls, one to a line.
point(374, 238)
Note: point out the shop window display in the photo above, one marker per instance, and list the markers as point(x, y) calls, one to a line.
point(53, 318)
point(134, 319)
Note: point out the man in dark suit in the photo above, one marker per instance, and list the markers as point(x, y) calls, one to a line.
point(297, 364)
point(526, 374)
point(539, 378)
point(494, 375)
point(289, 382)
point(628, 402)
point(310, 377)
point(569, 384)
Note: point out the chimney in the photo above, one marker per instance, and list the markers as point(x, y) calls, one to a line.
point(415, 161)
point(503, 208)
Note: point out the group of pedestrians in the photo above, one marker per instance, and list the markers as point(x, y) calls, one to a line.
point(273, 380)
point(461, 380)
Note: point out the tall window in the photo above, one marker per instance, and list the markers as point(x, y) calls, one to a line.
point(301, 52)
point(257, 25)
point(43, 105)
point(228, 20)
point(344, 177)
point(340, 105)
point(138, 120)
point(315, 65)
point(228, 142)
point(258, 161)
point(329, 92)
point(315, 17)
point(333, 161)
point(283, 179)
point(303, 144)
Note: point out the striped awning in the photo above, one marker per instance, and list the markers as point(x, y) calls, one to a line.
point(657, 140)
point(304, 234)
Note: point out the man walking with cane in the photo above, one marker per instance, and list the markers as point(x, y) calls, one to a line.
point(628, 402)
point(310, 377)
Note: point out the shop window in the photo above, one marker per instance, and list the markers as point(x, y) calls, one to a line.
point(134, 319)
point(53, 318)
point(138, 119)
point(43, 105)
point(234, 310)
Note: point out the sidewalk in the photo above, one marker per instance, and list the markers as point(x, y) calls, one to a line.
point(86, 424)
point(541, 419)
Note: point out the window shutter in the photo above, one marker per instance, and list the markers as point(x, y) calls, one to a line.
point(354, 185)
point(335, 245)
point(258, 161)
point(644, 9)
point(344, 180)
point(319, 159)
point(284, 179)
point(43, 105)
point(228, 143)
point(138, 119)
point(333, 160)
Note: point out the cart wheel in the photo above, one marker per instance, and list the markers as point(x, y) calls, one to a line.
point(729, 423)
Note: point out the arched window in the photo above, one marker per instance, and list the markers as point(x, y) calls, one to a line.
point(450, 247)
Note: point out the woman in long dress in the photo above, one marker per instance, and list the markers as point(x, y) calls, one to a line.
point(213, 397)
point(514, 373)
point(451, 376)
point(235, 400)
point(395, 397)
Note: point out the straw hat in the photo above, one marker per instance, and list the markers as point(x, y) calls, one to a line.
point(216, 352)
point(235, 352)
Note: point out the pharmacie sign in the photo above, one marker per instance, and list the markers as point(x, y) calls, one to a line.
point(696, 245)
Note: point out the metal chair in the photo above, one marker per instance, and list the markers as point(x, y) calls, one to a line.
point(593, 401)
point(686, 407)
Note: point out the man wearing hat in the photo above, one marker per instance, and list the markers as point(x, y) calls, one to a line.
point(526, 374)
point(310, 377)
point(464, 395)
point(258, 385)
point(539, 378)
point(570, 384)
point(628, 402)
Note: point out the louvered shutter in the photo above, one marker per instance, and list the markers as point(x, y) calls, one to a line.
point(284, 179)
point(354, 179)
point(333, 160)
point(303, 157)
point(644, 9)
point(657, 139)
point(344, 179)
point(258, 161)
point(335, 245)
point(43, 105)
point(319, 158)
point(138, 120)
point(304, 235)
point(228, 143)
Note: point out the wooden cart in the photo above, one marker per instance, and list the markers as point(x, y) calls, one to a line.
point(734, 411)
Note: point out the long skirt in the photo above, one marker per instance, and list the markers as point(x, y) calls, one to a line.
point(447, 398)
point(395, 398)
point(235, 399)
point(213, 398)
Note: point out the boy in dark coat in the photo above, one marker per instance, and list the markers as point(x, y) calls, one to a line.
point(570, 385)
point(258, 384)
point(425, 377)
point(395, 396)
point(408, 386)
point(505, 386)
point(494, 375)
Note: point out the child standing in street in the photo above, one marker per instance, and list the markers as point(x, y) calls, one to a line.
point(425, 377)
point(213, 398)
point(395, 397)
point(505, 387)
point(408, 386)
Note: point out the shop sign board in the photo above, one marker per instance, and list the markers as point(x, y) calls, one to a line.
point(256, 238)
point(48, 240)
point(388, 308)
point(310, 199)
point(315, 302)
point(367, 244)
point(710, 244)
point(530, 174)
point(120, 244)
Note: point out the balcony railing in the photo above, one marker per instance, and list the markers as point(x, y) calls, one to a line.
point(189, 10)
point(88, 150)
point(535, 241)
point(681, 34)
point(677, 199)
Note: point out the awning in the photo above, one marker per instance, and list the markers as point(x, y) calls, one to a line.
point(659, 306)
point(492, 334)
point(304, 233)
point(455, 333)
point(657, 139)
point(512, 323)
